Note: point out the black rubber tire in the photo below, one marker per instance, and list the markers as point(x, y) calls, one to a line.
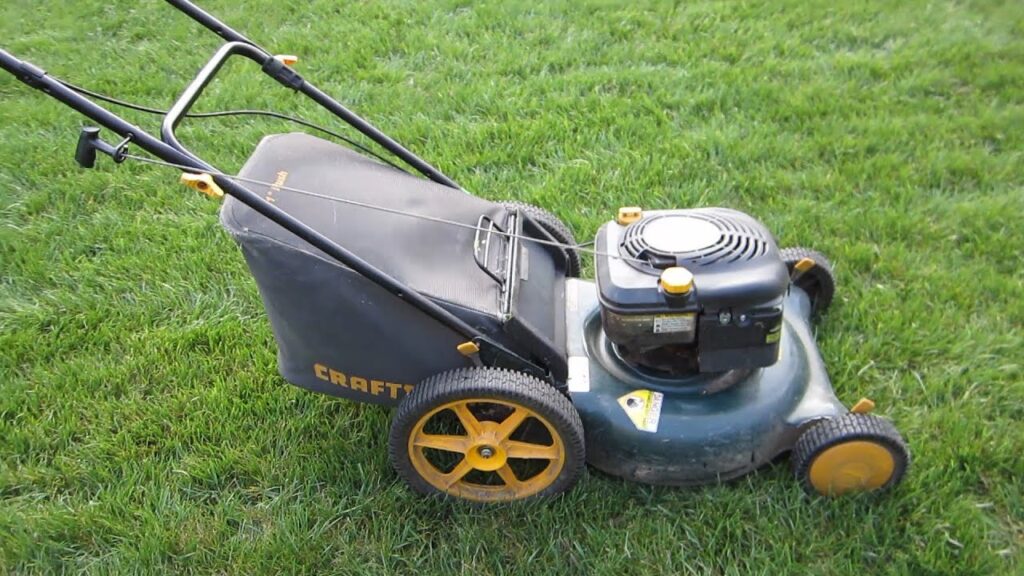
point(849, 427)
point(497, 384)
point(819, 282)
point(558, 230)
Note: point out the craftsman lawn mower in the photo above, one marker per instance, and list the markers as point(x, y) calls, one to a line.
point(689, 360)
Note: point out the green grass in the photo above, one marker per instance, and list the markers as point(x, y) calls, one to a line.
point(142, 423)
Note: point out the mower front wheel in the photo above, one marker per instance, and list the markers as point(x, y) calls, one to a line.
point(487, 435)
point(556, 228)
point(848, 454)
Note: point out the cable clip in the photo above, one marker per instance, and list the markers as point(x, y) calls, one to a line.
point(203, 183)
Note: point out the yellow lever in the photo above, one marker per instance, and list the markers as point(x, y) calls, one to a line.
point(468, 348)
point(801, 267)
point(203, 183)
point(629, 214)
point(863, 406)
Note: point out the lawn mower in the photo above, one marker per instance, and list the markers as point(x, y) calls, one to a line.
point(689, 360)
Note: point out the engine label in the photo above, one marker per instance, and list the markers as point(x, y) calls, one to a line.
point(674, 323)
point(643, 408)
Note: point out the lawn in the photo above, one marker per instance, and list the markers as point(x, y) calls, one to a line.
point(143, 425)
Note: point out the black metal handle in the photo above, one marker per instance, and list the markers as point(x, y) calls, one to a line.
point(288, 77)
point(206, 19)
point(170, 150)
point(195, 88)
point(483, 241)
point(39, 79)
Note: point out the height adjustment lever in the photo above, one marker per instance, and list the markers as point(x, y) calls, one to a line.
point(202, 182)
point(89, 142)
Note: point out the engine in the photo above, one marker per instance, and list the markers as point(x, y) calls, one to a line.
point(696, 290)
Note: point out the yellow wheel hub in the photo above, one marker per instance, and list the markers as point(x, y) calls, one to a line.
point(487, 448)
point(852, 466)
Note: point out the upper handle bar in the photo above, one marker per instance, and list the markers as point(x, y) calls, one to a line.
point(242, 46)
point(195, 88)
point(208, 20)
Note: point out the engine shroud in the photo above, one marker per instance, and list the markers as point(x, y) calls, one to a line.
point(732, 317)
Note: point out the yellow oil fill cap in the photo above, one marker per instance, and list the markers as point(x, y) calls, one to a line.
point(677, 280)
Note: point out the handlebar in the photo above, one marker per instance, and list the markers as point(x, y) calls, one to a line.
point(212, 23)
point(195, 88)
point(242, 46)
point(167, 148)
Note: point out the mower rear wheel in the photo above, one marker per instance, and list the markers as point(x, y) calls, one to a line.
point(818, 281)
point(852, 453)
point(487, 435)
point(556, 228)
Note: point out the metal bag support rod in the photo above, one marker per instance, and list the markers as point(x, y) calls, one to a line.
point(351, 118)
point(37, 78)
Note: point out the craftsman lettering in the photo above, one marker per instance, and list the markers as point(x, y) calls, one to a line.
point(360, 384)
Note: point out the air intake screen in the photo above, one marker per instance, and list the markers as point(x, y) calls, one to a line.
point(696, 237)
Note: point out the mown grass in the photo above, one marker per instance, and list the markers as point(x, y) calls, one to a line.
point(142, 423)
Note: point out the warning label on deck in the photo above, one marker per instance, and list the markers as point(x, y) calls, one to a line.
point(643, 408)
